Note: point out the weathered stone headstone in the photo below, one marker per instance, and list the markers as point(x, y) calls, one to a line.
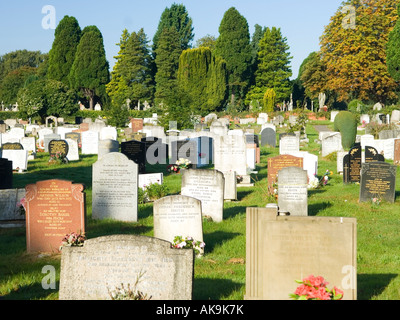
point(207, 186)
point(102, 264)
point(292, 191)
point(230, 154)
point(268, 137)
point(108, 133)
point(283, 249)
point(6, 174)
point(73, 150)
point(331, 143)
point(115, 185)
point(8, 204)
point(178, 215)
point(289, 144)
point(135, 151)
point(58, 147)
point(378, 180)
point(339, 161)
point(275, 164)
point(230, 190)
point(352, 165)
point(54, 208)
point(90, 142)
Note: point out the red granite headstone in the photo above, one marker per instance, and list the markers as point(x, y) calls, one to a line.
point(277, 163)
point(137, 124)
point(397, 151)
point(54, 208)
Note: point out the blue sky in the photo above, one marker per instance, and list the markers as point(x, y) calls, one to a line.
point(301, 22)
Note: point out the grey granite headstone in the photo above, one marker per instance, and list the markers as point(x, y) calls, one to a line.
point(8, 204)
point(268, 137)
point(107, 146)
point(115, 185)
point(102, 264)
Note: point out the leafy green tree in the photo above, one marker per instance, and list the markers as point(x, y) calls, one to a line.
point(167, 62)
point(89, 72)
point(393, 50)
point(13, 82)
point(207, 41)
point(233, 45)
point(61, 101)
point(313, 75)
point(32, 100)
point(62, 54)
point(20, 58)
point(203, 77)
point(273, 67)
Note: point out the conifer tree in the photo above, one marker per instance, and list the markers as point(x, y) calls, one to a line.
point(62, 54)
point(233, 45)
point(393, 49)
point(89, 72)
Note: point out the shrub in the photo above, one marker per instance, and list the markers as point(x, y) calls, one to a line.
point(346, 123)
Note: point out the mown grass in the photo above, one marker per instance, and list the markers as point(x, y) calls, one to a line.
point(220, 274)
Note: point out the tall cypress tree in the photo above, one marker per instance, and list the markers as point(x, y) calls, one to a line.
point(273, 67)
point(233, 45)
point(202, 76)
point(89, 72)
point(167, 62)
point(62, 54)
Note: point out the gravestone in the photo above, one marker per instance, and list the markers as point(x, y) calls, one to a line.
point(73, 136)
point(275, 164)
point(108, 133)
point(73, 150)
point(107, 146)
point(29, 144)
point(230, 154)
point(150, 178)
point(90, 142)
point(310, 162)
point(102, 264)
point(136, 125)
point(352, 165)
point(9, 199)
point(178, 215)
point(283, 249)
point(289, 144)
point(207, 186)
point(115, 185)
point(135, 151)
point(12, 146)
point(331, 144)
point(48, 138)
point(292, 191)
point(6, 174)
point(156, 152)
point(54, 208)
point(230, 189)
point(19, 159)
point(58, 147)
point(372, 155)
point(339, 161)
point(396, 155)
point(378, 180)
point(268, 137)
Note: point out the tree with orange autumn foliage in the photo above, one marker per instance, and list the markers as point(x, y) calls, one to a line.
point(353, 49)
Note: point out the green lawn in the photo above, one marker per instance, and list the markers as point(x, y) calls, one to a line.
point(220, 274)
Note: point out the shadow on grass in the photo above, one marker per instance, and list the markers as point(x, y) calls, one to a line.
point(370, 285)
point(29, 292)
point(97, 228)
point(233, 211)
point(216, 238)
point(213, 289)
point(314, 208)
point(243, 193)
point(311, 192)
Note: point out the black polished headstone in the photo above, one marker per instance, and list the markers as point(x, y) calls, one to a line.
point(136, 151)
point(6, 174)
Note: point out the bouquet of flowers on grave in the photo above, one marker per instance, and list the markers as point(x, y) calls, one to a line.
point(73, 240)
point(21, 206)
point(189, 243)
point(58, 157)
point(315, 182)
point(183, 163)
point(315, 288)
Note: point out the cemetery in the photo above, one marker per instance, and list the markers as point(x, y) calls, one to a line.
point(301, 211)
point(202, 172)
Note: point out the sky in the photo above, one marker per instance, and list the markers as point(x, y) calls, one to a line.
point(302, 22)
